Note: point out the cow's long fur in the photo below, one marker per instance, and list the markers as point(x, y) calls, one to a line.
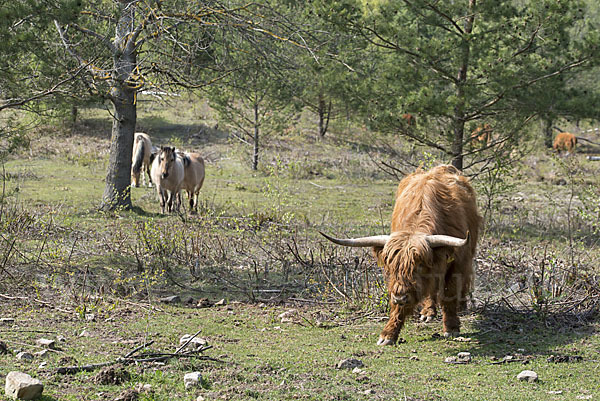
point(566, 142)
point(438, 201)
point(140, 161)
point(193, 177)
point(167, 172)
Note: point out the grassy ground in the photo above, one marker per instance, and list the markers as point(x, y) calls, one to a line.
point(255, 243)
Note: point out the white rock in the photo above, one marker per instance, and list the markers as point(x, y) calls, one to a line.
point(200, 398)
point(464, 356)
point(173, 299)
point(349, 364)
point(197, 342)
point(528, 375)
point(358, 370)
point(43, 365)
point(288, 316)
point(41, 353)
point(84, 333)
point(24, 356)
point(46, 343)
point(20, 385)
point(192, 379)
point(220, 302)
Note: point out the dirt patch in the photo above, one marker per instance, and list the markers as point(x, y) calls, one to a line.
point(112, 375)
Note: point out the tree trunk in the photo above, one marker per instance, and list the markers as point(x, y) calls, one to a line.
point(256, 132)
point(123, 94)
point(547, 127)
point(324, 112)
point(461, 79)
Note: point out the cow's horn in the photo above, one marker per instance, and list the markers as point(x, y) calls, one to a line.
point(376, 240)
point(435, 241)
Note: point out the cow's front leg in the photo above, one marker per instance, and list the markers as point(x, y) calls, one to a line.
point(389, 334)
point(428, 309)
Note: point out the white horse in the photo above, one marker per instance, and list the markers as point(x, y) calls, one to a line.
point(140, 159)
point(167, 173)
point(193, 177)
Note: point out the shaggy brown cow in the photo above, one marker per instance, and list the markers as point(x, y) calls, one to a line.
point(428, 257)
point(481, 135)
point(565, 142)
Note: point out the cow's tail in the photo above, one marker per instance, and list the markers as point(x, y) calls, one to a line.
point(138, 157)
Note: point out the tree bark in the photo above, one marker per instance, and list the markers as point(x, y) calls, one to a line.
point(123, 95)
point(461, 79)
point(256, 133)
point(547, 126)
point(324, 112)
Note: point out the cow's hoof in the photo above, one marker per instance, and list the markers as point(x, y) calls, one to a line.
point(426, 319)
point(385, 341)
point(451, 334)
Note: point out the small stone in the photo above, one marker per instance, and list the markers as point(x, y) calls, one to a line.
point(450, 359)
point(555, 392)
point(84, 333)
point(61, 338)
point(173, 299)
point(7, 321)
point(350, 364)
point(197, 342)
point(192, 379)
point(20, 385)
point(220, 302)
point(288, 316)
point(528, 375)
point(43, 365)
point(584, 397)
point(143, 388)
point(369, 392)
point(90, 317)
point(46, 343)
point(200, 398)
point(464, 356)
point(24, 356)
point(414, 358)
point(358, 370)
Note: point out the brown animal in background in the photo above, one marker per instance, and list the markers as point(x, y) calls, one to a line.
point(481, 135)
point(193, 177)
point(140, 159)
point(409, 119)
point(428, 257)
point(566, 142)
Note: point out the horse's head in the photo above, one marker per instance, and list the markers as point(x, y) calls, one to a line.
point(166, 160)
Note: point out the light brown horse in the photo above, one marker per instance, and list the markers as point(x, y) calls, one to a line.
point(140, 159)
point(167, 173)
point(193, 177)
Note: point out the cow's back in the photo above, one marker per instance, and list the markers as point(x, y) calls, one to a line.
point(438, 201)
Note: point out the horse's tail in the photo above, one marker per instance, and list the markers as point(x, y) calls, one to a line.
point(138, 157)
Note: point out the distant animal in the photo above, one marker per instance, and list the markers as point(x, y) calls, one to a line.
point(167, 173)
point(193, 177)
point(140, 159)
point(565, 142)
point(481, 135)
point(409, 119)
point(428, 256)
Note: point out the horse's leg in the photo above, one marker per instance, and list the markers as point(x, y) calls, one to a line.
point(191, 200)
point(161, 198)
point(149, 176)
